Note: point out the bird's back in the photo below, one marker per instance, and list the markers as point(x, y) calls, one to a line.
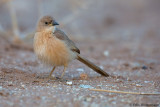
point(62, 36)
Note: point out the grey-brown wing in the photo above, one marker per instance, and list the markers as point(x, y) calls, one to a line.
point(62, 36)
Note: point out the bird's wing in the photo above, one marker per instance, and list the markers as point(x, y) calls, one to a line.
point(62, 36)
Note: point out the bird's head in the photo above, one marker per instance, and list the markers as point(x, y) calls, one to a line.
point(47, 23)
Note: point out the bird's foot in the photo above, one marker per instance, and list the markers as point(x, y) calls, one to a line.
point(52, 77)
point(42, 76)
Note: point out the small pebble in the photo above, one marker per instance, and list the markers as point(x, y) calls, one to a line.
point(10, 83)
point(1, 87)
point(88, 99)
point(80, 69)
point(139, 85)
point(85, 86)
point(147, 82)
point(83, 76)
point(101, 67)
point(135, 64)
point(23, 86)
point(144, 67)
point(126, 64)
point(106, 53)
point(69, 82)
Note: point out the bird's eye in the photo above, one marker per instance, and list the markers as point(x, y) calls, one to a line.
point(46, 23)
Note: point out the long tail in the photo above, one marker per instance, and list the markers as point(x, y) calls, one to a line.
point(92, 66)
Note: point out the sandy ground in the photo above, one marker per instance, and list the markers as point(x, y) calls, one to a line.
point(134, 65)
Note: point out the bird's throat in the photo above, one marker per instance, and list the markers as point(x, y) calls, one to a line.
point(51, 29)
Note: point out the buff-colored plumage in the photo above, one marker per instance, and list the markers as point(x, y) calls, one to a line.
point(54, 48)
point(51, 50)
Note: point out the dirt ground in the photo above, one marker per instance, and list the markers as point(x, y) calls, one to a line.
point(134, 63)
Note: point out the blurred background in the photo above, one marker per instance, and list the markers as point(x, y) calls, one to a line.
point(103, 19)
point(120, 36)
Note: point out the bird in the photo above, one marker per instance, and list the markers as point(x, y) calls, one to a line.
point(54, 48)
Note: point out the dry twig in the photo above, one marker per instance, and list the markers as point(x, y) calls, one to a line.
point(123, 92)
point(15, 27)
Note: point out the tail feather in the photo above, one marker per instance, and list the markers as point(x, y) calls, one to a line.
point(92, 66)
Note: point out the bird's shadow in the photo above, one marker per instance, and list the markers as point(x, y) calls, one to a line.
point(77, 77)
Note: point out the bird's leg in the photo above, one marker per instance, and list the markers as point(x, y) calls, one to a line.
point(50, 75)
point(63, 71)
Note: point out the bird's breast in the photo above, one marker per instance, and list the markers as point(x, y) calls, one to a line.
point(50, 50)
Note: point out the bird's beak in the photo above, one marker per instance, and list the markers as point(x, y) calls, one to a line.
point(55, 23)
